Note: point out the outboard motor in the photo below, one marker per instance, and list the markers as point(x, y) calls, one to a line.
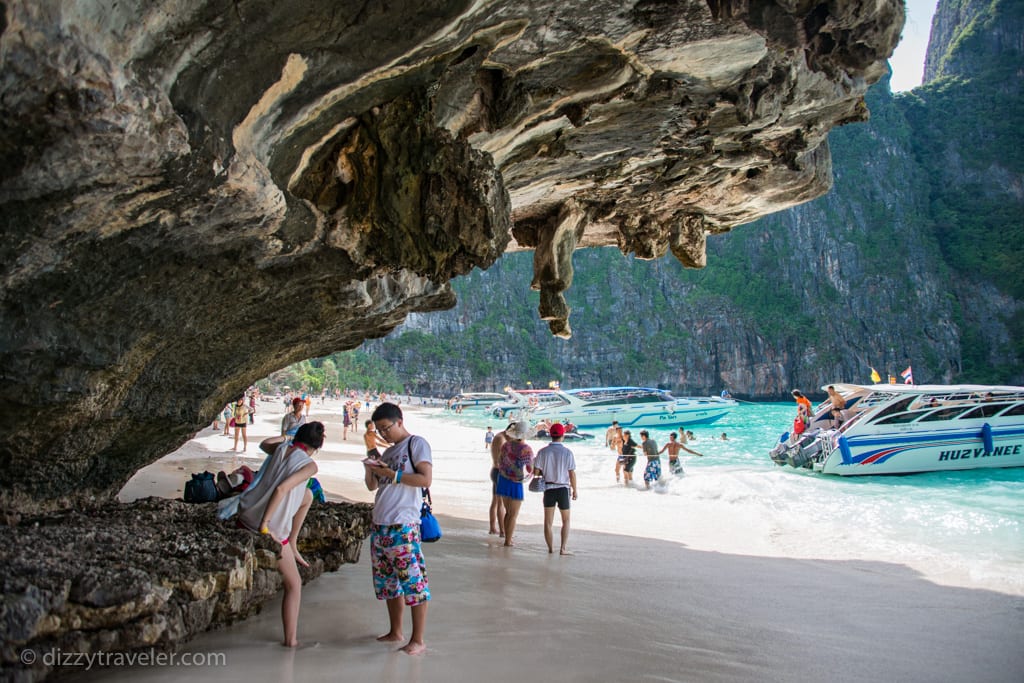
point(778, 454)
point(804, 453)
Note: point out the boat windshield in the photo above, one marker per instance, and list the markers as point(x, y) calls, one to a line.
point(619, 400)
point(944, 414)
point(897, 407)
point(986, 410)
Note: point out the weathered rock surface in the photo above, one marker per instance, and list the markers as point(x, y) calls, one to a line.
point(196, 193)
point(149, 574)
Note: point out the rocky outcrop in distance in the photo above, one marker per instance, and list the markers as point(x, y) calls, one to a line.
point(195, 194)
point(145, 577)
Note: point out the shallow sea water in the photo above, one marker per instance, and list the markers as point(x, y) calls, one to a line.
point(963, 527)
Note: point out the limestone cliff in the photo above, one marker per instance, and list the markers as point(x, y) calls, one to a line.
point(914, 258)
point(194, 193)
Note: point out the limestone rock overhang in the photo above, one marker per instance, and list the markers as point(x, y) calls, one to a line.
point(194, 194)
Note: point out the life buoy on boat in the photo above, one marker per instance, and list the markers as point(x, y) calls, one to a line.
point(986, 438)
point(844, 450)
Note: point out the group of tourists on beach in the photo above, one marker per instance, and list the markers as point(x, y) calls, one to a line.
point(620, 441)
point(513, 462)
point(398, 467)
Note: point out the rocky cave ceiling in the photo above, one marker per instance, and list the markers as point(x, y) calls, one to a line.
point(196, 193)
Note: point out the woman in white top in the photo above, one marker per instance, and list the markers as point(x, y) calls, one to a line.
point(277, 504)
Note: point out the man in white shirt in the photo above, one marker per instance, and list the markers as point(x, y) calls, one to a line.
point(396, 557)
point(556, 464)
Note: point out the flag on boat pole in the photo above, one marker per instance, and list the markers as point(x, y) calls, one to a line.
point(875, 377)
point(907, 375)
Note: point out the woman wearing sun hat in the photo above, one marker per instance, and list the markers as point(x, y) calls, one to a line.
point(515, 465)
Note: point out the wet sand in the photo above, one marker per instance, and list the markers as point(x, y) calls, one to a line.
point(622, 608)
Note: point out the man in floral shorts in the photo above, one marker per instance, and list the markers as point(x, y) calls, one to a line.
point(399, 573)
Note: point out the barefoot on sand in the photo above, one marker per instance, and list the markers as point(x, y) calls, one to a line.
point(390, 637)
point(414, 648)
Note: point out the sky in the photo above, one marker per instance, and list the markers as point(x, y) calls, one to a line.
point(908, 60)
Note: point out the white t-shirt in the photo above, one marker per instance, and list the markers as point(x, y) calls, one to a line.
point(555, 461)
point(399, 503)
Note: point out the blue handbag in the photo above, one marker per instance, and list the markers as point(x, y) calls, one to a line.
point(430, 530)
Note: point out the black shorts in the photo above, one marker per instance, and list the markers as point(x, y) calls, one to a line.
point(559, 496)
point(630, 462)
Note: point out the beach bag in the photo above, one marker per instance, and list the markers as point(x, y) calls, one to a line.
point(798, 426)
point(201, 488)
point(537, 485)
point(430, 530)
point(316, 489)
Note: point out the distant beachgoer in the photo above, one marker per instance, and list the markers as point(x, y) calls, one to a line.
point(396, 556)
point(628, 457)
point(673, 447)
point(373, 441)
point(515, 465)
point(277, 505)
point(650, 447)
point(290, 424)
point(238, 414)
point(726, 394)
point(610, 433)
point(615, 443)
point(252, 408)
point(690, 436)
point(346, 420)
point(488, 438)
point(228, 411)
point(724, 437)
point(496, 514)
point(838, 406)
point(557, 465)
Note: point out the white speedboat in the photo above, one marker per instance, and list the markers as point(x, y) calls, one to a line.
point(630, 407)
point(519, 403)
point(900, 429)
point(474, 398)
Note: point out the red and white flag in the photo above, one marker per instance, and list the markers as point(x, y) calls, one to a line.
point(908, 376)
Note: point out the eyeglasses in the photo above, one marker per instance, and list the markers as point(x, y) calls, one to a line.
point(385, 430)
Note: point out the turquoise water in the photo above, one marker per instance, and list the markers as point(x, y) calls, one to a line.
point(970, 522)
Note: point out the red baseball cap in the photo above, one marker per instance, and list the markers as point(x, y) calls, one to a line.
point(557, 430)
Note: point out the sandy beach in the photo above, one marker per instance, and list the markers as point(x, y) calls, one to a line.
point(714, 600)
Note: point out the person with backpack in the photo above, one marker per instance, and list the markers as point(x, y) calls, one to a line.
point(396, 556)
point(276, 504)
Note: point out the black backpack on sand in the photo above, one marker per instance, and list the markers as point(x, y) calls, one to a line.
point(201, 488)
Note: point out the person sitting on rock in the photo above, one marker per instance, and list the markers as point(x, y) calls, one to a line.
point(277, 505)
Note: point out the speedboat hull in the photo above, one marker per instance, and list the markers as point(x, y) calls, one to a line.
point(683, 412)
point(907, 453)
point(907, 429)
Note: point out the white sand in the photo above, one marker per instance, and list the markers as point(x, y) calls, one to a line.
point(710, 601)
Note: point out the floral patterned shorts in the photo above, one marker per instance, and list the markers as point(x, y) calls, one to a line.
point(397, 561)
point(653, 471)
